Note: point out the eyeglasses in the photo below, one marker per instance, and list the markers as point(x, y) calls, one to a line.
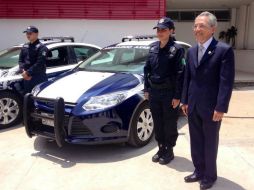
point(200, 26)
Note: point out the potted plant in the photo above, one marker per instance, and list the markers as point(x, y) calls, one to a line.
point(229, 36)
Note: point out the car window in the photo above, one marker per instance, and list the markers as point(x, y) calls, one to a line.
point(57, 57)
point(121, 59)
point(127, 56)
point(83, 52)
point(9, 57)
point(104, 58)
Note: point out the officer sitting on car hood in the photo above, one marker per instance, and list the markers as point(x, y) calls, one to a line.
point(32, 60)
point(163, 87)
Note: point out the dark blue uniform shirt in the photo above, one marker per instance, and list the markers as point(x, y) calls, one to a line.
point(165, 65)
point(32, 58)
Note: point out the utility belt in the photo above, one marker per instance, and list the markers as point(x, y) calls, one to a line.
point(167, 84)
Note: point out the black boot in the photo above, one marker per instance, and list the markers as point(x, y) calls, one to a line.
point(158, 155)
point(167, 156)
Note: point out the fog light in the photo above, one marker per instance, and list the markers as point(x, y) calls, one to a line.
point(111, 127)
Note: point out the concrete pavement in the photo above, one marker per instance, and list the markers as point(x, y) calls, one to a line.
point(36, 164)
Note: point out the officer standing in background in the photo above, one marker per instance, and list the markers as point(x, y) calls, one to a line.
point(163, 87)
point(32, 60)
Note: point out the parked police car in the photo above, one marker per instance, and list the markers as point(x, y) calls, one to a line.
point(100, 101)
point(63, 55)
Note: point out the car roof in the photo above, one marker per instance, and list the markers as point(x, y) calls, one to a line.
point(53, 44)
point(136, 43)
point(146, 43)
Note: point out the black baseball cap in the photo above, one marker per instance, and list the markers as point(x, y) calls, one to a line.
point(31, 29)
point(165, 23)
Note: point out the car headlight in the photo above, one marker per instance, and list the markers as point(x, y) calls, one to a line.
point(35, 90)
point(105, 101)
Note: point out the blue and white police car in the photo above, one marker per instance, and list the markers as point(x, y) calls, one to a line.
point(64, 54)
point(100, 101)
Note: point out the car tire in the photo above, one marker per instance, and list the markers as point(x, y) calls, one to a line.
point(142, 128)
point(10, 109)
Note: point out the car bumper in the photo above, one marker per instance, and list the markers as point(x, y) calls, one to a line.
point(100, 128)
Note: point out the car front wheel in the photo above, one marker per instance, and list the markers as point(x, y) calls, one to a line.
point(142, 128)
point(10, 109)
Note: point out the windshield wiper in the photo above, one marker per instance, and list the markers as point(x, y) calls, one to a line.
point(4, 67)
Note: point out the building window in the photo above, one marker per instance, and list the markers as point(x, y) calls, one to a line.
point(189, 16)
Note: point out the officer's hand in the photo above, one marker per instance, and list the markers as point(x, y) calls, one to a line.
point(185, 109)
point(217, 116)
point(26, 76)
point(175, 103)
point(146, 94)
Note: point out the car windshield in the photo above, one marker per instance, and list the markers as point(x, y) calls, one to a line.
point(9, 57)
point(127, 59)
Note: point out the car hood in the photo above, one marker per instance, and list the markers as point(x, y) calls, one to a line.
point(81, 85)
point(10, 74)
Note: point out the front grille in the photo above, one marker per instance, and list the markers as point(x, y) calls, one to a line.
point(78, 128)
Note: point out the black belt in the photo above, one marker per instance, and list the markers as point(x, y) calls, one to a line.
point(165, 85)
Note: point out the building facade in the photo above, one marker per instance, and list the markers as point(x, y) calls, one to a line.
point(103, 22)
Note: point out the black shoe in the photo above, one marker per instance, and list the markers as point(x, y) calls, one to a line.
point(192, 178)
point(167, 156)
point(205, 184)
point(159, 154)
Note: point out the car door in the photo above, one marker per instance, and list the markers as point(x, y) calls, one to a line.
point(59, 60)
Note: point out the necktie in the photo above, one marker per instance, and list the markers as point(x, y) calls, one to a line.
point(200, 52)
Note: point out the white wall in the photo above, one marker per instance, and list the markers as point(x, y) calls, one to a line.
point(241, 21)
point(99, 32)
point(250, 29)
point(244, 60)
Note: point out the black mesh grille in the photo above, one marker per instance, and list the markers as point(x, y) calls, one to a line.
point(78, 128)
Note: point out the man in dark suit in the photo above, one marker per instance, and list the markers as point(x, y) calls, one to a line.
point(208, 85)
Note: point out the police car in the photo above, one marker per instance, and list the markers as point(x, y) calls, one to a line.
point(63, 55)
point(100, 101)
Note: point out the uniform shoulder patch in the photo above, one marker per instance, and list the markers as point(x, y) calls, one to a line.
point(38, 45)
point(172, 49)
point(153, 46)
point(44, 53)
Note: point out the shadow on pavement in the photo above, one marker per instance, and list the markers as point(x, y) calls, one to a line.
point(10, 128)
point(71, 154)
point(225, 184)
point(181, 164)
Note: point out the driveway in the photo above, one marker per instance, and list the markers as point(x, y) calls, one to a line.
point(38, 164)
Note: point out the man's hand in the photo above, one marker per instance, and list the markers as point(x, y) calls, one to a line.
point(217, 116)
point(175, 103)
point(146, 94)
point(26, 76)
point(185, 109)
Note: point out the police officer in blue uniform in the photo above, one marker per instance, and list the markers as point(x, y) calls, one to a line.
point(32, 60)
point(163, 86)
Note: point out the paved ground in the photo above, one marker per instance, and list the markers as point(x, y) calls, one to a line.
point(35, 164)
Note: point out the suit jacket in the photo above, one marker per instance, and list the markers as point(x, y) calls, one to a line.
point(209, 84)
